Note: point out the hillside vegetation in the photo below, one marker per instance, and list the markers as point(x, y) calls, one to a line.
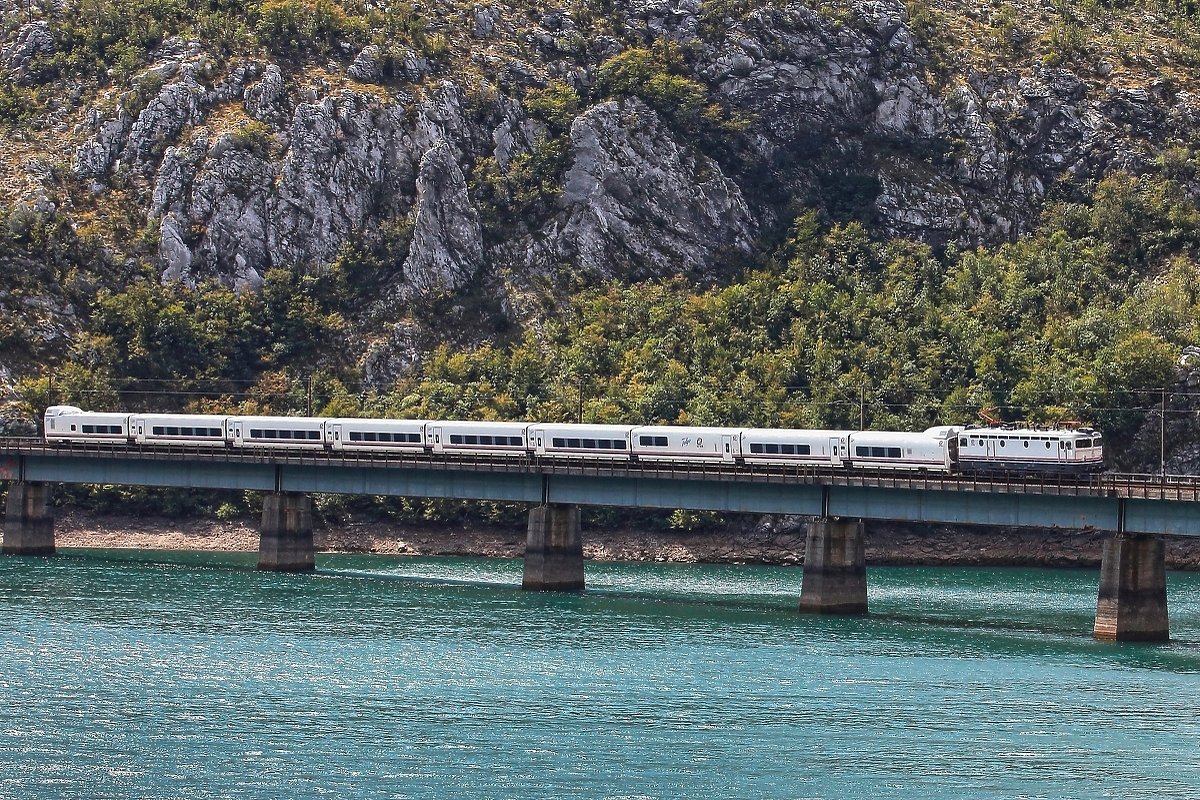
point(681, 211)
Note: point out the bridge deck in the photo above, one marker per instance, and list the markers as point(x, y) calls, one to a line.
point(1136, 503)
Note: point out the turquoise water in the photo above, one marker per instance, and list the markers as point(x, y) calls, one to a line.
point(163, 675)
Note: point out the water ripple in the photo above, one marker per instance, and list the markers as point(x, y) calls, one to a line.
point(191, 675)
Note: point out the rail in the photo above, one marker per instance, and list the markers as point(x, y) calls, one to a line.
point(1108, 484)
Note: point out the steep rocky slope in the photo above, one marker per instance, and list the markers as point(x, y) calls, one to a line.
point(240, 162)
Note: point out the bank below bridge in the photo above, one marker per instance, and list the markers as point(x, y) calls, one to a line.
point(1137, 509)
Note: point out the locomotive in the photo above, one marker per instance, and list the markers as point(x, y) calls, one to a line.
point(942, 449)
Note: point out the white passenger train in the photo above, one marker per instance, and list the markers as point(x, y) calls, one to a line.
point(946, 448)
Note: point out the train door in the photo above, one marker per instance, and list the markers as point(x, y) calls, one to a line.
point(437, 439)
point(336, 434)
point(835, 455)
point(237, 433)
point(140, 433)
point(990, 446)
point(726, 447)
point(538, 437)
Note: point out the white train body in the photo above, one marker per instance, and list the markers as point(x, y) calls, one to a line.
point(477, 438)
point(776, 446)
point(1033, 450)
point(931, 450)
point(673, 443)
point(375, 434)
point(591, 441)
point(72, 424)
point(943, 449)
point(277, 433)
point(183, 429)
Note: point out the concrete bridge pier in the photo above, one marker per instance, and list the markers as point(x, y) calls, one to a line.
point(29, 520)
point(1132, 604)
point(835, 568)
point(286, 540)
point(553, 550)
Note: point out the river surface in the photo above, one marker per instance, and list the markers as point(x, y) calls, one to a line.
point(127, 674)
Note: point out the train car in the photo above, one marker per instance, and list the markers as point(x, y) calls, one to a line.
point(672, 443)
point(775, 446)
point(204, 430)
point(933, 450)
point(397, 435)
point(1002, 449)
point(282, 433)
point(477, 438)
point(593, 441)
point(73, 424)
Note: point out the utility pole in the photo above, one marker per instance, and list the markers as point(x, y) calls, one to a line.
point(862, 406)
point(1162, 435)
point(579, 414)
point(308, 391)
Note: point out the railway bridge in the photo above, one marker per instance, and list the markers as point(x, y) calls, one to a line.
point(1137, 509)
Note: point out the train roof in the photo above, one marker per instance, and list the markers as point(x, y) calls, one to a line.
point(1056, 433)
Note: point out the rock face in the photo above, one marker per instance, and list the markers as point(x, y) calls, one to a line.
point(635, 202)
point(447, 244)
point(241, 165)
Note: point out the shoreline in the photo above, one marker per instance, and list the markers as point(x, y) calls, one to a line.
point(771, 540)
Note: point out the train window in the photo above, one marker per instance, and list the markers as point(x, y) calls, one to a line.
point(604, 444)
point(456, 438)
point(755, 447)
point(1047, 444)
point(157, 430)
point(516, 441)
point(1067, 445)
point(172, 431)
point(1082, 443)
point(187, 431)
point(773, 449)
point(370, 436)
point(557, 442)
point(652, 441)
point(485, 440)
point(355, 436)
point(803, 450)
point(1026, 443)
point(588, 444)
point(1096, 442)
point(618, 444)
point(893, 452)
point(1002, 443)
point(573, 443)
point(288, 434)
point(787, 449)
point(255, 433)
point(470, 438)
point(862, 451)
point(962, 442)
point(86, 428)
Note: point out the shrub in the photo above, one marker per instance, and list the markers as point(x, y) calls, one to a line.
point(296, 26)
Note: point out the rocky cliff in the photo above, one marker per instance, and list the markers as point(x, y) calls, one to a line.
point(239, 162)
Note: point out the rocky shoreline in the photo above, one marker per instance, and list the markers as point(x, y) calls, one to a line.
point(772, 540)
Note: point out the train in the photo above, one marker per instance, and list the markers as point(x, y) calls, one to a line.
point(948, 449)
